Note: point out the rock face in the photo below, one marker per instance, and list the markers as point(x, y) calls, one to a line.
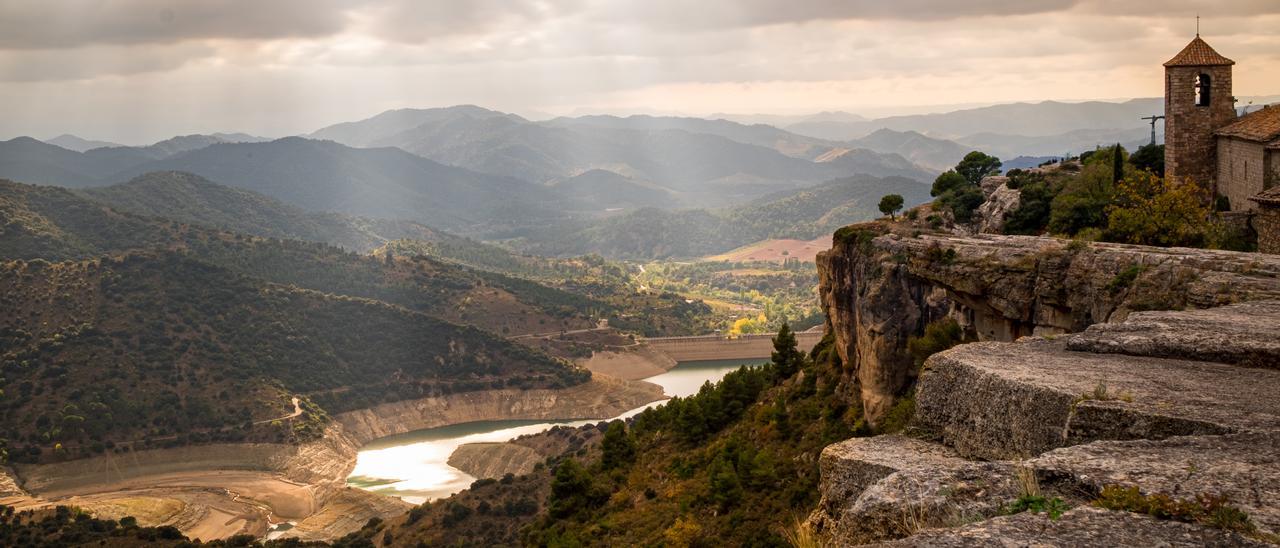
point(1049, 397)
point(493, 460)
point(1076, 421)
point(880, 288)
point(1082, 527)
point(1000, 202)
point(602, 397)
point(1179, 402)
point(888, 486)
point(1237, 334)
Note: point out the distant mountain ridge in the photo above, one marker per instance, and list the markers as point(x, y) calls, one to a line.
point(315, 175)
point(190, 198)
point(652, 233)
point(705, 162)
point(72, 142)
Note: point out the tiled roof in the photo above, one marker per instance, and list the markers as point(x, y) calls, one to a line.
point(1269, 197)
point(1198, 54)
point(1260, 125)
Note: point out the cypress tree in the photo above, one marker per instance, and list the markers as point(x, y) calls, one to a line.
point(1117, 164)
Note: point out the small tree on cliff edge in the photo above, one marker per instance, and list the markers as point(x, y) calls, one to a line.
point(890, 204)
point(786, 359)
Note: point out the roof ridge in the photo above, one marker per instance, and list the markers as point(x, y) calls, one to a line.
point(1198, 53)
point(1262, 125)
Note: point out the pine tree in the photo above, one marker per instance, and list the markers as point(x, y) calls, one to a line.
point(786, 359)
point(618, 447)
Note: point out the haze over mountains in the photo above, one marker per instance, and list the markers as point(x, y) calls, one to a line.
point(587, 179)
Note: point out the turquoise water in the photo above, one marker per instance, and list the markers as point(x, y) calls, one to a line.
point(414, 466)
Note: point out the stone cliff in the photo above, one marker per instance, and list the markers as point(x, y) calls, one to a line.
point(1101, 369)
point(881, 287)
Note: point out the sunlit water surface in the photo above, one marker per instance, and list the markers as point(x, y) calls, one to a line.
point(414, 466)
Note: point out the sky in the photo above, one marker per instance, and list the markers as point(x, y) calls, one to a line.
point(137, 71)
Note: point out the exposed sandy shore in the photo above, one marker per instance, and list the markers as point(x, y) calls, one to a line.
point(215, 491)
point(637, 362)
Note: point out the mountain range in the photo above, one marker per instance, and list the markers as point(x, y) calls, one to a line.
point(802, 214)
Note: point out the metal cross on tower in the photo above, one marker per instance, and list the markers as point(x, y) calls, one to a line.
point(1153, 127)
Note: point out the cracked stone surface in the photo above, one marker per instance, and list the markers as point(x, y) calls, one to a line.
point(1017, 400)
point(1246, 334)
point(1244, 468)
point(886, 486)
point(1081, 527)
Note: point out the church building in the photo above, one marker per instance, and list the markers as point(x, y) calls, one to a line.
point(1238, 158)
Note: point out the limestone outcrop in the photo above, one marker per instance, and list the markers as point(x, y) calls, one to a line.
point(1098, 366)
point(880, 288)
point(1001, 200)
point(1082, 527)
point(997, 421)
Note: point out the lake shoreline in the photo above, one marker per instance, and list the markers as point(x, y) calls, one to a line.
point(304, 483)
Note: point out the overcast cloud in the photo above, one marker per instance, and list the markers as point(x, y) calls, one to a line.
point(141, 70)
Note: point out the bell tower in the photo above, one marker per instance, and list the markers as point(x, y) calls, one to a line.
point(1197, 102)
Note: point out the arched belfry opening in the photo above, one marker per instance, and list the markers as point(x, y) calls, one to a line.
point(1204, 90)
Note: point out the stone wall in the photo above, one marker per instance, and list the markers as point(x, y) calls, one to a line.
point(715, 347)
point(1190, 147)
point(1267, 223)
point(1241, 171)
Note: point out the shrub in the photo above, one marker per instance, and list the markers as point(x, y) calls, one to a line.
point(1204, 509)
point(1151, 210)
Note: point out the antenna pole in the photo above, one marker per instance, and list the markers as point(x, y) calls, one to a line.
point(1197, 25)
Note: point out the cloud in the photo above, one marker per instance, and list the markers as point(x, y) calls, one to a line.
point(680, 14)
point(85, 63)
point(52, 24)
point(296, 64)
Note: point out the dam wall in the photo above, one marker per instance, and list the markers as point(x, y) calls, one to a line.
point(720, 347)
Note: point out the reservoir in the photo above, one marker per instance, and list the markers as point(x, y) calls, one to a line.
point(414, 467)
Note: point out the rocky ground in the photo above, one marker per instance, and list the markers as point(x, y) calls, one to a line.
point(1111, 383)
point(1134, 404)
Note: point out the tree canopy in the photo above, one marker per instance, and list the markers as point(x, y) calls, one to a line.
point(890, 204)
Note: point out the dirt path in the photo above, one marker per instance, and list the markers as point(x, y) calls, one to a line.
point(297, 410)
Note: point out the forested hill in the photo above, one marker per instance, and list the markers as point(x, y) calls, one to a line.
point(198, 353)
point(652, 233)
point(193, 199)
point(38, 222)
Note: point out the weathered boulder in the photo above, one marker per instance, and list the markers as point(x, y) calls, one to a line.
point(886, 487)
point(989, 218)
point(1246, 334)
point(1083, 527)
point(880, 288)
point(991, 183)
point(1012, 400)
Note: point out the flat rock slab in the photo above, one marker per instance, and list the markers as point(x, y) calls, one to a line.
point(1245, 334)
point(1081, 527)
point(1017, 400)
point(1243, 468)
point(886, 487)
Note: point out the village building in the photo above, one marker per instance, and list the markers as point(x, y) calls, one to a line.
point(1236, 157)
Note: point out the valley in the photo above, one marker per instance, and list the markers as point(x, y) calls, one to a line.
point(999, 323)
